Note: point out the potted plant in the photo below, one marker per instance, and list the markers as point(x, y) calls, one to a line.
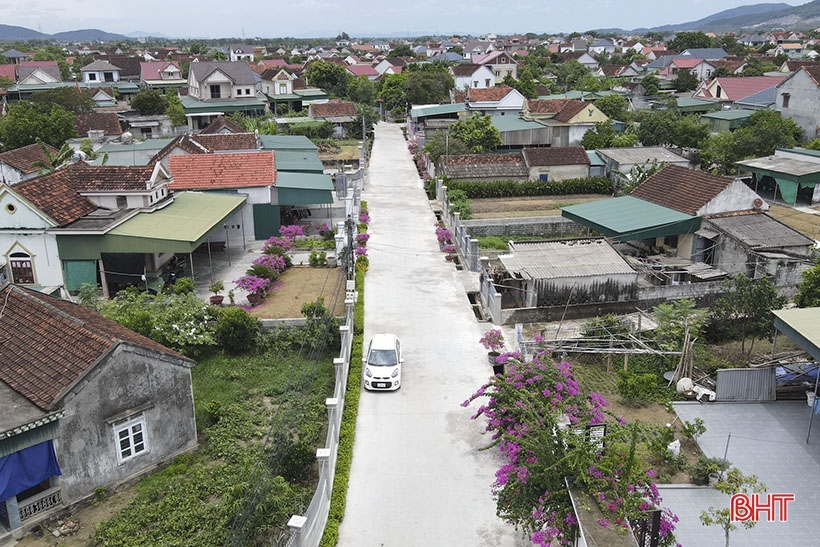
point(217, 287)
point(708, 470)
point(493, 341)
point(255, 286)
point(450, 251)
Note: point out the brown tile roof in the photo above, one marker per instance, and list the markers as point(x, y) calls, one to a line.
point(333, 108)
point(459, 97)
point(53, 196)
point(107, 178)
point(562, 155)
point(570, 110)
point(465, 69)
point(612, 71)
point(129, 66)
point(220, 124)
point(814, 72)
point(682, 189)
point(23, 159)
point(218, 171)
point(109, 123)
point(209, 143)
point(485, 166)
point(545, 106)
point(489, 94)
point(46, 344)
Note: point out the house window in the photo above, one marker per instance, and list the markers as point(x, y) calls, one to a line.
point(475, 83)
point(22, 268)
point(544, 177)
point(216, 92)
point(487, 82)
point(130, 438)
point(122, 202)
point(786, 98)
point(92, 77)
point(283, 89)
point(108, 76)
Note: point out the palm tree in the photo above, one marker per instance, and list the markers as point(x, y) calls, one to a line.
point(54, 160)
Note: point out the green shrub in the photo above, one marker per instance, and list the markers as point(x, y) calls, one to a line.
point(183, 285)
point(298, 456)
point(318, 259)
point(322, 328)
point(236, 331)
point(512, 188)
point(636, 388)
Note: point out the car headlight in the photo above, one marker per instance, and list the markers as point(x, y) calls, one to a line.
point(368, 373)
point(395, 373)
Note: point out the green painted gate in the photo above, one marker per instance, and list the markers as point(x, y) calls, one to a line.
point(266, 220)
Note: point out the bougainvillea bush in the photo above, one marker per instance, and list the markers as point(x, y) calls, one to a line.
point(539, 417)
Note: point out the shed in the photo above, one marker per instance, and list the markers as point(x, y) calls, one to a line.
point(727, 120)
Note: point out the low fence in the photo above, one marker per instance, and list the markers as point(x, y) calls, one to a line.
point(467, 246)
point(306, 530)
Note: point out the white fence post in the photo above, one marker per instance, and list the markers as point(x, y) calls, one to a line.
point(296, 524)
point(325, 470)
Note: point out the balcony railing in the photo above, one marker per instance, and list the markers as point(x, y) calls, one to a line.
point(40, 503)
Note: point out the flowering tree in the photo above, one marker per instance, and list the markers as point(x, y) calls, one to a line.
point(492, 340)
point(443, 235)
point(253, 284)
point(540, 420)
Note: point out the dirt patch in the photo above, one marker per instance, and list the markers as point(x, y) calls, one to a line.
point(486, 208)
point(86, 516)
point(805, 223)
point(300, 285)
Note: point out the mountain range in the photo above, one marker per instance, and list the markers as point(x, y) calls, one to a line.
point(751, 18)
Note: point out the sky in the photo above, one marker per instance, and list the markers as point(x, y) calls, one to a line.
point(358, 18)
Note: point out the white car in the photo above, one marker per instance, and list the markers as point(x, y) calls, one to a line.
point(382, 363)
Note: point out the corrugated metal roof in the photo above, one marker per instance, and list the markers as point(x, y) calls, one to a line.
point(286, 142)
point(780, 164)
point(436, 110)
point(642, 154)
point(298, 160)
point(729, 115)
point(304, 181)
point(513, 123)
point(760, 231)
point(803, 324)
point(629, 218)
point(594, 159)
point(565, 258)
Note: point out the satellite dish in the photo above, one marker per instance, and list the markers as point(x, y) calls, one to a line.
point(78, 156)
point(684, 385)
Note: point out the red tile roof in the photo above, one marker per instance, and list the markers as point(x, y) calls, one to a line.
point(220, 171)
point(741, 87)
point(53, 196)
point(362, 70)
point(489, 94)
point(682, 189)
point(562, 110)
point(559, 155)
point(7, 71)
point(47, 344)
point(333, 108)
point(23, 159)
point(221, 123)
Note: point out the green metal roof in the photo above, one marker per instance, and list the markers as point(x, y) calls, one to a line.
point(283, 97)
point(789, 174)
point(298, 119)
point(311, 94)
point(436, 110)
point(514, 123)
point(628, 218)
point(298, 160)
point(195, 106)
point(286, 142)
point(303, 188)
point(137, 145)
point(594, 159)
point(180, 227)
point(691, 104)
point(121, 86)
point(730, 115)
point(802, 326)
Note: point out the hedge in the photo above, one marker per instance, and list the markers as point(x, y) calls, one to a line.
point(513, 188)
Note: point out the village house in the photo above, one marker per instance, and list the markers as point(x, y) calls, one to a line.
point(469, 75)
point(218, 88)
point(24, 163)
point(109, 406)
point(798, 98)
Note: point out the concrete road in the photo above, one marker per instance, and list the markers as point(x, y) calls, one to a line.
point(417, 478)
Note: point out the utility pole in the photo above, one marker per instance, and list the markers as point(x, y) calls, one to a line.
point(350, 224)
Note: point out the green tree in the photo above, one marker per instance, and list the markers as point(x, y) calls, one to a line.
point(770, 131)
point(658, 128)
point(428, 86)
point(70, 98)
point(615, 106)
point(691, 132)
point(443, 144)
point(197, 48)
point(331, 77)
point(809, 294)
point(362, 91)
point(5, 82)
point(719, 154)
point(675, 318)
point(364, 113)
point(746, 309)
point(478, 133)
point(525, 84)
point(650, 85)
point(570, 73)
point(175, 109)
point(686, 81)
point(734, 482)
point(26, 122)
point(53, 160)
point(403, 50)
point(600, 137)
point(393, 95)
point(689, 40)
point(150, 102)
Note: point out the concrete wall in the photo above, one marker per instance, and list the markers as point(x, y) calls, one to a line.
point(560, 172)
point(804, 103)
point(548, 227)
point(129, 379)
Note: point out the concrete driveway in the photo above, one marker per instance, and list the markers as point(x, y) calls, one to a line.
point(417, 478)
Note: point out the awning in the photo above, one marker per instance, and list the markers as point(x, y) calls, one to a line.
point(180, 227)
point(303, 188)
point(789, 174)
point(628, 218)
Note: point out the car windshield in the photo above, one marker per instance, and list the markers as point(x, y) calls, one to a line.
point(382, 357)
